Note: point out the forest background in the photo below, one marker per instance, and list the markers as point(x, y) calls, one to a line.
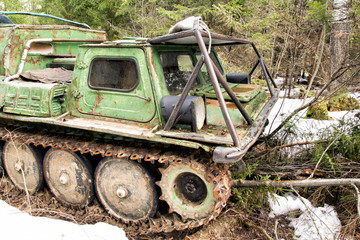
point(296, 37)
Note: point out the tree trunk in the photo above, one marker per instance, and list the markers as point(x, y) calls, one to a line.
point(339, 37)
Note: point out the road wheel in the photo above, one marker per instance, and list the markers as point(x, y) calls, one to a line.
point(69, 177)
point(126, 189)
point(23, 165)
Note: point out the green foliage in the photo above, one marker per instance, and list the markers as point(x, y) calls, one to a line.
point(343, 102)
point(250, 199)
point(345, 148)
point(349, 144)
point(318, 12)
point(318, 111)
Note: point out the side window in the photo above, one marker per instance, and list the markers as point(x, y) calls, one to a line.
point(114, 74)
point(177, 68)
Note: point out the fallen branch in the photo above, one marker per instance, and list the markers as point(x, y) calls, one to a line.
point(297, 183)
point(311, 213)
point(357, 198)
point(291, 145)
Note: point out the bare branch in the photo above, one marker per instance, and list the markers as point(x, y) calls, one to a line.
point(311, 212)
point(291, 145)
point(322, 43)
point(357, 197)
point(297, 183)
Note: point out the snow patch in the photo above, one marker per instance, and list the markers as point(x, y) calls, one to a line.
point(282, 205)
point(16, 224)
point(313, 223)
point(304, 129)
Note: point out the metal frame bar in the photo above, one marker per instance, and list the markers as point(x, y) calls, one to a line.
point(216, 85)
point(254, 67)
point(268, 78)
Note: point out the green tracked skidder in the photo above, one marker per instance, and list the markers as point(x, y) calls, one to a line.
point(148, 126)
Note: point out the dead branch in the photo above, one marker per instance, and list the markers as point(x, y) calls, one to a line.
point(357, 198)
point(322, 43)
point(250, 224)
point(292, 145)
point(22, 170)
point(297, 183)
point(311, 212)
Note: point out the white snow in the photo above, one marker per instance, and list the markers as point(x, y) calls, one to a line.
point(16, 224)
point(282, 205)
point(313, 223)
point(303, 129)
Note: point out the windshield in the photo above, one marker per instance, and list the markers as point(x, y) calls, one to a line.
point(177, 68)
point(204, 71)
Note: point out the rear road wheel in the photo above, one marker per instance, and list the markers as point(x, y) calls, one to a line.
point(23, 165)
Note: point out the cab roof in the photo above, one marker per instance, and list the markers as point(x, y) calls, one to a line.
point(188, 38)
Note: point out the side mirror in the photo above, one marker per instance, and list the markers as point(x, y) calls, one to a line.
point(243, 78)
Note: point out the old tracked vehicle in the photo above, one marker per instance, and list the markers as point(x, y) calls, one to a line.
point(148, 126)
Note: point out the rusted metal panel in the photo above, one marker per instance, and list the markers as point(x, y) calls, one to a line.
point(6, 35)
point(214, 115)
point(222, 155)
point(33, 99)
point(15, 37)
point(118, 128)
point(136, 104)
point(244, 92)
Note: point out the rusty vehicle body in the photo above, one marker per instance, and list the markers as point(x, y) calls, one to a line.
point(148, 126)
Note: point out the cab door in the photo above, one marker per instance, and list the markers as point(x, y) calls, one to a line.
point(117, 86)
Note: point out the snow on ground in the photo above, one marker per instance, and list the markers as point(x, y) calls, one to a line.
point(313, 223)
point(304, 129)
point(16, 224)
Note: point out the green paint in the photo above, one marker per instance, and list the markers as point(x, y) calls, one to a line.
point(32, 99)
point(93, 103)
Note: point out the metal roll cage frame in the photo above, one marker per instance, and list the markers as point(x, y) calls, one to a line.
point(216, 77)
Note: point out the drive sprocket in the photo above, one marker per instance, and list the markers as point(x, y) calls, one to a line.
point(190, 189)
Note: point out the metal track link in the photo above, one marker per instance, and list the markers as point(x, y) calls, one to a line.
point(219, 175)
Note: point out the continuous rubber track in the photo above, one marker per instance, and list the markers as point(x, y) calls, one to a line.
point(141, 152)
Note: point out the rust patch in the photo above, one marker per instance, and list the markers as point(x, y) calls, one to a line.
point(215, 103)
point(44, 48)
point(98, 99)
